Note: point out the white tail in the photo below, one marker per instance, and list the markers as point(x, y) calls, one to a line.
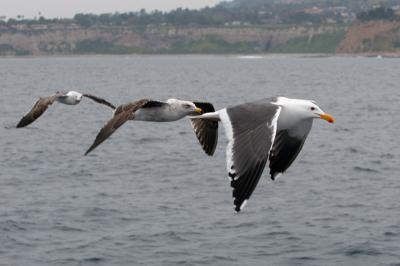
point(209, 116)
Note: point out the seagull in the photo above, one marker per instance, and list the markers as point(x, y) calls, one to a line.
point(69, 98)
point(157, 111)
point(269, 131)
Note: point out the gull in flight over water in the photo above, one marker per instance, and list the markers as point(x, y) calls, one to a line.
point(265, 132)
point(69, 98)
point(157, 111)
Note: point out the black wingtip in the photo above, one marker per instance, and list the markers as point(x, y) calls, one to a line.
point(209, 152)
point(22, 123)
point(88, 151)
point(91, 148)
point(274, 175)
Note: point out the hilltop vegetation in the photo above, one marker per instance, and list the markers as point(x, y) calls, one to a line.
point(239, 26)
point(250, 12)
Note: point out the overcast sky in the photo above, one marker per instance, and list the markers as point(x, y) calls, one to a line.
point(68, 8)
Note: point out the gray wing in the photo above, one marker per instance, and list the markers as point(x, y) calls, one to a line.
point(206, 130)
point(122, 114)
point(37, 110)
point(99, 100)
point(251, 129)
point(286, 147)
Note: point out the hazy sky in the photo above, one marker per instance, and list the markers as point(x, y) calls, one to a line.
point(67, 8)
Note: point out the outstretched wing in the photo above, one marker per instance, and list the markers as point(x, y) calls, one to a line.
point(206, 130)
point(122, 114)
point(286, 147)
point(37, 110)
point(99, 100)
point(251, 130)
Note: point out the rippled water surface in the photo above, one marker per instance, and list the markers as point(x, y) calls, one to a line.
point(150, 196)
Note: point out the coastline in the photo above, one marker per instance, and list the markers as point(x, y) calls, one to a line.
point(239, 55)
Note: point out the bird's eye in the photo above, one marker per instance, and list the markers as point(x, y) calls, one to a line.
point(186, 105)
point(312, 108)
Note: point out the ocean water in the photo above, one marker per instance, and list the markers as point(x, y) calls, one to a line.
point(150, 196)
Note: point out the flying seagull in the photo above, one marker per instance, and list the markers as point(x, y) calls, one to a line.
point(269, 131)
point(69, 98)
point(157, 111)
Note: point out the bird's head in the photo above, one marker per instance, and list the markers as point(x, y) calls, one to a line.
point(314, 111)
point(306, 109)
point(186, 107)
point(78, 96)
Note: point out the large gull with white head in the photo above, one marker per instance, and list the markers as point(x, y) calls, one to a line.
point(270, 131)
point(68, 98)
point(157, 111)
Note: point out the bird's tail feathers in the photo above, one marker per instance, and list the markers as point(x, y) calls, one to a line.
point(209, 116)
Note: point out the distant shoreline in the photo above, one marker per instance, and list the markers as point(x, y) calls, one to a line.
point(243, 56)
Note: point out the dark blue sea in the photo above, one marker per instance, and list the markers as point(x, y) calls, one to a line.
point(150, 196)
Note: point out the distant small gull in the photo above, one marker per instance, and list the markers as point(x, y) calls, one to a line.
point(69, 98)
point(156, 111)
point(270, 130)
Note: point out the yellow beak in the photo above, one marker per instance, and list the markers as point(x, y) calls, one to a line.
point(327, 117)
point(198, 110)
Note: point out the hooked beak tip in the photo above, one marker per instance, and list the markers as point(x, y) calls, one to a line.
point(198, 110)
point(327, 117)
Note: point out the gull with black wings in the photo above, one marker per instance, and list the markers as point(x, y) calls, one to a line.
point(269, 131)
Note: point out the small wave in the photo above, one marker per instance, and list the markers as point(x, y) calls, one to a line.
point(150, 139)
point(387, 156)
point(325, 219)
point(365, 169)
point(244, 225)
point(352, 150)
point(304, 258)
point(15, 242)
point(361, 250)
point(293, 238)
point(66, 228)
point(211, 260)
point(67, 261)
point(11, 226)
point(99, 212)
point(82, 173)
point(94, 259)
point(391, 234)
point(279, 233)
point(142, 239)
point(351, 205)
point(272, 235)
point(170, 235)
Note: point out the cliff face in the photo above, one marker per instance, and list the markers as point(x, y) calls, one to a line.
point(44, 42)
point(373, 36)
point(150, 39)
